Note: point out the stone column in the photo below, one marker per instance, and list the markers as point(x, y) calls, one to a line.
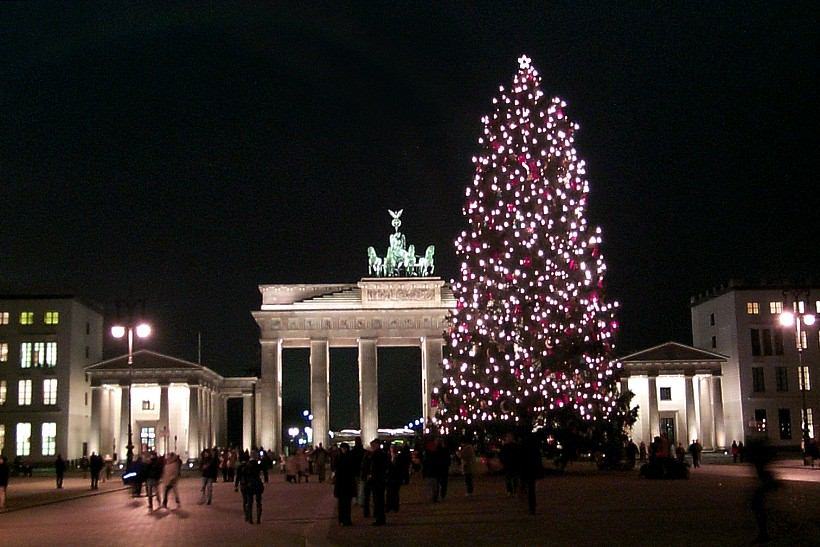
point(691, 418)
point(95, 438)
point(107, 437)
point(223, 421)
point(269, 392)
point(163, 432)
point(368, 389)
point(717, 411)
point(706, 416)
point(247, 439)
point(194, 446)
point(125, 401)
point(431, 356)
point(654, 417)
point(320, 389)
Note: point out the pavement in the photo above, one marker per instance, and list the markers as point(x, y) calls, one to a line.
point(582, 506)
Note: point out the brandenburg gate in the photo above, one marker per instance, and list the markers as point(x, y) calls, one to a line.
point(402, 305)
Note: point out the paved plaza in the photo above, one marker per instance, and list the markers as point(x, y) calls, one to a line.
point(580, 507)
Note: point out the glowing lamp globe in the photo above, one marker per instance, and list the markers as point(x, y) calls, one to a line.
point(143, 330)
point(117, 331)
point(787, 319)
point(808, 319)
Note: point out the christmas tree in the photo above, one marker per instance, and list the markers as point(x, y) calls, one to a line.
point(531, 339)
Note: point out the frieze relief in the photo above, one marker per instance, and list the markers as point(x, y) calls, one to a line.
point(401, 293)
point(356, 323)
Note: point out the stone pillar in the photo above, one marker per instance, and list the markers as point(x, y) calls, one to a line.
point(717, 411)
point(431, 356)
point(654, 417)
point(97, 401)
point(706, 416)
point(247, 438)
point(320, 389)
point(368, 389)
point(223, 421)
point(269, 392)
point(194, 446)
point(125, 402)
point(163, 432)
point(691, 417)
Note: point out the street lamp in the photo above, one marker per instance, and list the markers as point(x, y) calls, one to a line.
point(142, 330)
point(797, 318)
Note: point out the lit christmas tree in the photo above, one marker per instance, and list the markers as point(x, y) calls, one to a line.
point(531, 340)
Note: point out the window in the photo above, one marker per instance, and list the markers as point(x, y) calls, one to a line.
point(784, 419)
point(767, 342)
point(804, 343)
point(87, 352)
point(4, 352)
point(147, 405)
point(803, 376)
point(38, 354)
point(86, 398)
point(782, 378)
point(752, 308)
point(148, 437)
point(755, 342)
point(23, 439)
point(760, 418)
point(49, 438)
point(2, 438)
point(758, 385)
point(775, 308)
point(666, 394)
point(778, 342)
point(714, 342)
point(26, 317)
point(801, 307)
point(816, 307)
point(3, 390)
point(50, 391)
point(4, 318)
point(52, 318)
point(24, 392)
point(712, 319)
point(809, 416)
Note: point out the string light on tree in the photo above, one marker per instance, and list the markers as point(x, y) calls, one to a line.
point(532, 333)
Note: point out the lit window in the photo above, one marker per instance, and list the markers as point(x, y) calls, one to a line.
point(4, 317)
point(52, 317)
point(50, 391)
point(775, 308)
point(752, 308)
point(760, 418)
point(51, 354)
point(3, 390)
point(148, 437)
point(4, 352)
point(804, 343)
point(24, 392)
point(784, 418)
point(2, 436)
point(803, 376)
point(38, 354)
point(27, 318)
point(809, 419)
point(816, 307)
point(801, 307)
point(25, 355)
point(49, 438)
point(23, 439)
point(666, 394)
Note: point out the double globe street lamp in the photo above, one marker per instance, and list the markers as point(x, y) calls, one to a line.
point(798, 318)
point(141, 330)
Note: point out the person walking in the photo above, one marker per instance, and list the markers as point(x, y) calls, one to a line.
point(4, 480)
point(252, 487)
point(59, 469)
point(344, 487)
point(531, 468)
point(152, 476)
point(442, 467)
point(510, 460)
point(694, 450)
point(320, 461)
point(170, 477)
point(208, 469)
point(95, 465)
point(356, 457)
point(467, 456)
point(395, 478)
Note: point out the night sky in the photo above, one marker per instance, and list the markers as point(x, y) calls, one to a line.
point(186, 155)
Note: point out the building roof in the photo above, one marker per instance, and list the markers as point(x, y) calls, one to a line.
point(145, 360)
point(740, 285)
point(673, 352)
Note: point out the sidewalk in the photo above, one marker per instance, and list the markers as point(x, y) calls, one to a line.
point(26, 492)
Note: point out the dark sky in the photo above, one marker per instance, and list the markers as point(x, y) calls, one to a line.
point(187, 154)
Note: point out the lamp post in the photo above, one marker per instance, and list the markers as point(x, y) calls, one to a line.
point(797, 318)
point(141, 330)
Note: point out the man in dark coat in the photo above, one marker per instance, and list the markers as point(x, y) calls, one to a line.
point(252, 487)
point(531, 467)
point(377, 479)
point(95, 465)
point(59, 468)
point(345, 486)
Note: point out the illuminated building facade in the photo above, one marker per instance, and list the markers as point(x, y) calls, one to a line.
point(45, 399)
